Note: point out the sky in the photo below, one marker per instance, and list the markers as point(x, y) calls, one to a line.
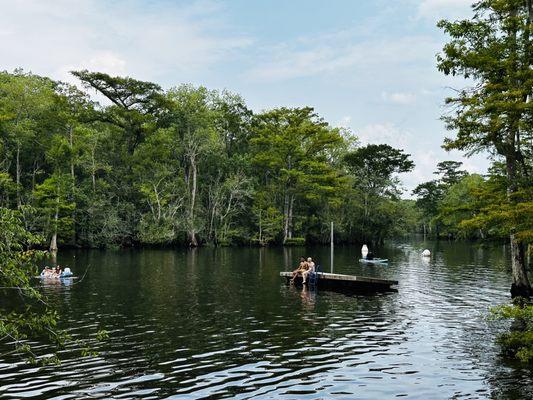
point(365, 65)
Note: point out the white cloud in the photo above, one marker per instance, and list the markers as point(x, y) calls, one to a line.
point(402, 98)
point(322, 56)
point(437, 9)
point(147, 40)
point(386, 132)
point(425, 158)
point(344, 122)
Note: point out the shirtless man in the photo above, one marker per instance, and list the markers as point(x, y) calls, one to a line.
point(302, 267)
point(311, 268)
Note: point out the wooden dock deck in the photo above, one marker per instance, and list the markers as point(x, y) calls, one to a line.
point(347, 282)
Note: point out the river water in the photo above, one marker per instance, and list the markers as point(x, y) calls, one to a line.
point(214, 323)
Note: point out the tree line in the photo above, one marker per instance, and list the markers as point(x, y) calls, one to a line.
point(186, 166)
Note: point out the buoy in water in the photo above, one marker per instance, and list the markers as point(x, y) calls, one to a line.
point(364, 250)
point(426, 253)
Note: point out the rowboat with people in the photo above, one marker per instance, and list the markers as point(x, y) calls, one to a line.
point(55, 273)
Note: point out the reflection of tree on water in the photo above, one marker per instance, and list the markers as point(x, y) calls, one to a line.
point(503, 377)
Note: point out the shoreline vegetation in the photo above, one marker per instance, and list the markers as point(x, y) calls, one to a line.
point(192, 167)
point(188, 167)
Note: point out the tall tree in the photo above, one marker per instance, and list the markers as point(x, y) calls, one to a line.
point(26, 109)
point(291, 148)
point(374, 167)
point(429, 194)
point(192, 119)
point(135, 104)
point(494, 51)
point(450, 172)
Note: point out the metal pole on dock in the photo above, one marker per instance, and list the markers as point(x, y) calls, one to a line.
point(331, 234)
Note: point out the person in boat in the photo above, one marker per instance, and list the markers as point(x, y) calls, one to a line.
point(47, 272)
point(303, 266)
point(58, 270)
point(310, 269)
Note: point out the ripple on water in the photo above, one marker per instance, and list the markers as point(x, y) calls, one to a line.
point(223, 325)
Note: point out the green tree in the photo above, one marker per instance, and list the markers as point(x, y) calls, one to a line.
point(28, 314)
point(375, 165)
point(460, 203)
point(27, 113)
point(494, 51)
point(374, 170)
point(193, 121)
point(55, 208)
point(290, 150)
point(493, 215)
point(450, 173)
point(429, 195)
point(159, 179)
point(136, 104)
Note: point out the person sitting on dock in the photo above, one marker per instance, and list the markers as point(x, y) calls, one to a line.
point(310, 269)
point(303, 266)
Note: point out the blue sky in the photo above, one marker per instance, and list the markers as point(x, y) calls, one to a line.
point(365, 65)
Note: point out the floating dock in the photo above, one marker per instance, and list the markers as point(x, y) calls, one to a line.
point(351, 283)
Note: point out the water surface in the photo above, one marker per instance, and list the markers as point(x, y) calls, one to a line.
point(221, 323)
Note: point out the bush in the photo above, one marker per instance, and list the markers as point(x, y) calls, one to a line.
point(518, 343)
point(297, 241)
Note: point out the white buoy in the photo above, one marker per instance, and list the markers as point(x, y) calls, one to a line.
point(364, 250)
point(426, 253)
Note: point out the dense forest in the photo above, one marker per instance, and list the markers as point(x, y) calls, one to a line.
point(192, 166)
point(186, 166)
point(459, 205)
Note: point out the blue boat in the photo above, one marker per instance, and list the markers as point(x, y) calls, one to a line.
point(374, 260)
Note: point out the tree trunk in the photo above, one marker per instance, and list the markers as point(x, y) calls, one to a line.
point(158, 202)
point(71, 145)
point(53, 242)
point(192, 234)
point(73, 179)
point(18, 176)
point(260, 229)
point(291, 206)
point(520, 285)
point(286, 218)
point(93, 169)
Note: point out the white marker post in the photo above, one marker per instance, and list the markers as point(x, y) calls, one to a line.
point(331, 261)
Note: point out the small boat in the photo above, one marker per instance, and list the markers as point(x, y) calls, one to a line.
point(374, 260)
point(66, 273)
